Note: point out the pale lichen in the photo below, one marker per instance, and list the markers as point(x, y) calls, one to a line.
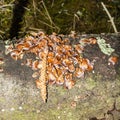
point(105, 48)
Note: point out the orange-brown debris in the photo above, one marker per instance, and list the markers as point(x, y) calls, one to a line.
point(113, 59)
point(57, 62)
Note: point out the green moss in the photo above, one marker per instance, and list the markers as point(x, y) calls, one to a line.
point(95, 98)
point(90, 84)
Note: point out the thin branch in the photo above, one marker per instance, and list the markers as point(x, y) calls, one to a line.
point(74, 21)
point(46, 24)
point(111, 18)
point(47, 12)
point(8, 5)
point(2, 32)
point(34, 6)
point(35, 29)
point(49, 17)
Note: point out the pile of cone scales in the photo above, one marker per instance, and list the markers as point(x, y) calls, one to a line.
point(56, 60)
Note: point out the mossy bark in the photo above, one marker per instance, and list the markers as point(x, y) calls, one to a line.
point(95, 97)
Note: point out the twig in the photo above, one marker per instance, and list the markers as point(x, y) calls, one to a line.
point(74, 21)
point(111, 18)
point(4, 6)
point(34, 8)
point(34, 29)
point(2, 32)
point(47, 24)
point(49, 17)
point(47, 12)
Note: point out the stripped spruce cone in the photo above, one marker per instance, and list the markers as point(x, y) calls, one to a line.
point(57, 62)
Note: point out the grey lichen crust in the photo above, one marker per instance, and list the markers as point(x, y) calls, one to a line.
point(105, 48)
